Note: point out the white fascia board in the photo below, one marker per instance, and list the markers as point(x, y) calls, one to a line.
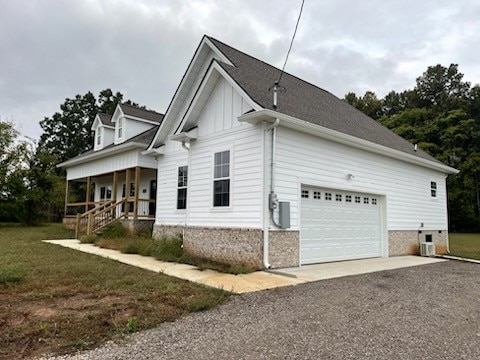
point(216, 67)
point(96, 123)
point(205, 42)
point(336, 136)
point(118, 110)
point(185, 136)
point(217, 51)
point(155, 151)
point(141, 119)
point(100, 154)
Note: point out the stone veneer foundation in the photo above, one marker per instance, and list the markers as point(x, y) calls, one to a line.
point(407, 242)
point(245, 246)
point(137, 226)
point(235, 246)
point(284, 249)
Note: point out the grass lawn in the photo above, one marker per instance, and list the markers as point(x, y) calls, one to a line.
point(465, 245)
point(54, 299)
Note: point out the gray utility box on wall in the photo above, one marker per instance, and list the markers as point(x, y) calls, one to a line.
point(284, 214)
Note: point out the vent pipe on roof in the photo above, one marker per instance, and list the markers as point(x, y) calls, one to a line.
point(276, 88)
point(275, 94)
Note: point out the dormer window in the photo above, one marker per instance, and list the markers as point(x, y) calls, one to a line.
point(120, 128)
point(98, 141)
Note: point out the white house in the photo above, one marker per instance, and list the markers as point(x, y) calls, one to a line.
point(115, 160)
point(309, 180)
point(272, 175)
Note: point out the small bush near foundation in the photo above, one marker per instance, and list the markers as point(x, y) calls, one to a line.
point(114, 230)
point(167, 249)
point(88, 239)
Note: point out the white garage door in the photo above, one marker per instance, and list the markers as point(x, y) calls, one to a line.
point(339, 225)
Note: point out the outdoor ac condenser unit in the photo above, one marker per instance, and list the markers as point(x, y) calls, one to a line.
point(427, 249)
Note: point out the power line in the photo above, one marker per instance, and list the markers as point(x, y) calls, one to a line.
point(291, 43)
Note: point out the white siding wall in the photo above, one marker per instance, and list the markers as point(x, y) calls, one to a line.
point(108, 136)
point(218, 130)
point(303, 158)
point(120, 161)
point(134, 127)
point(167, 177)
point(246, 181)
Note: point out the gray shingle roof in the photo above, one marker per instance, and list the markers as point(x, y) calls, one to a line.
point(145, 138)
point(106, 119)
point(142, 113)
point(308, 102)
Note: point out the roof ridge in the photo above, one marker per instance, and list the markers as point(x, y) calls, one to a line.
point(269, 65)
point(140, 108)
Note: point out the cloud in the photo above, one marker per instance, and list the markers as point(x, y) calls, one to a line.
point(54, 49)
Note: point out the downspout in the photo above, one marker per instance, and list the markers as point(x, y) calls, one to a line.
point(184, 146)
point(268, 212)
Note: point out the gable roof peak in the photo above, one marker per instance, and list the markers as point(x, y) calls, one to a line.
point(136, 111)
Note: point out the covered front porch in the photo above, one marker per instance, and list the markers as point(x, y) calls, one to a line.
point(91, 202)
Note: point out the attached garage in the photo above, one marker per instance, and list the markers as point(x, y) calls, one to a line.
point(339, 225)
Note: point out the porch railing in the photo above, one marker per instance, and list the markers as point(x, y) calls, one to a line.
point(100, 216)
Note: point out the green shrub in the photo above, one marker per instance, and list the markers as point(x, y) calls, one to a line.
point(132, 325)
point(114, 230)
point(88, 239)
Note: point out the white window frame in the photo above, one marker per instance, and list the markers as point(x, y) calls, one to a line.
point(214, 179)
point(98, 137)
point(183, 187)
point(433, 189)
point(120, 128)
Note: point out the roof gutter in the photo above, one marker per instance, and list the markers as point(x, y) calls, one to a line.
point(256, 117)
point(155, 151)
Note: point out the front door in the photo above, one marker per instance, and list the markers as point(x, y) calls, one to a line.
point(153, 196)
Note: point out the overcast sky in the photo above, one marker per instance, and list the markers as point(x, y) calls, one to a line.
point(54, 49)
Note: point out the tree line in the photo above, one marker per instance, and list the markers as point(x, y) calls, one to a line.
point(441, 114)
point(32, 188)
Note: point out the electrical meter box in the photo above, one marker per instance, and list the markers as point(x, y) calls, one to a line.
point(284, 214)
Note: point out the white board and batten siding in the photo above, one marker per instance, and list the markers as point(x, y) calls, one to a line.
point(135, 127)
point(218, 130)
point(115, 162)
point(305, 160)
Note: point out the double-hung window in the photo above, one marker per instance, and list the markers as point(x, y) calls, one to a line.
point(182, 187)
point(433, 189)
point(120, 128)
point(99, 136)
point(221, 179)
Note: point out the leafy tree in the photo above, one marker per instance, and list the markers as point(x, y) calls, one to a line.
point(442, 87)
point(13, 154)
point(67, 133)
point(369, 103)
point(442, 115)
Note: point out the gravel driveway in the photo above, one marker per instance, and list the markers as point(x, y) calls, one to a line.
point(424, 312)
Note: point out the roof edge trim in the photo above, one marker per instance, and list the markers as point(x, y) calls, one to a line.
point(100, 154)
point(257, 117)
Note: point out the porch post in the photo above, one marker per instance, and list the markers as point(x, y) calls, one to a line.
point(87, 196)
point(137, 184)
point(127, 192)
point(66, 199)
point(114, 186)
